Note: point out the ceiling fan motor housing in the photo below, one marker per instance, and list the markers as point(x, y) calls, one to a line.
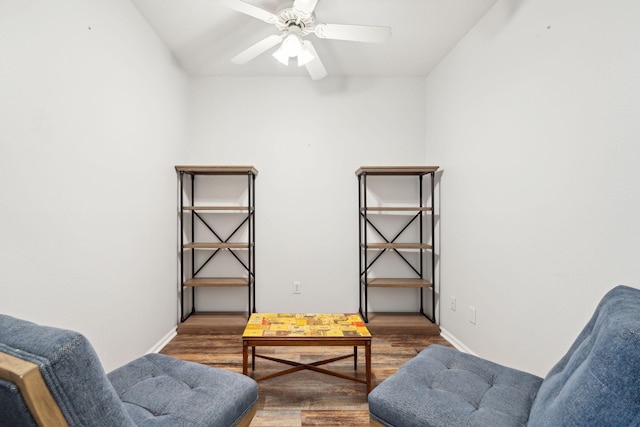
point(290, 20)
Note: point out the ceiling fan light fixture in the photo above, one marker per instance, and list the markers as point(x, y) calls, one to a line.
point(305, 56)
point(281, 56)
point(291, 45)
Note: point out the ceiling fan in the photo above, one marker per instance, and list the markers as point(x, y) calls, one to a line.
point(295, 21)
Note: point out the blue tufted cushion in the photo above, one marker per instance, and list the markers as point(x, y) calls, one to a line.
point(444, 387)
point(159, 390)
point(70, 368)
point(597, 383)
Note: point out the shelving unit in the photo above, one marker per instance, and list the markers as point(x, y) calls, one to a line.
point(374, 243)
point(201, 240)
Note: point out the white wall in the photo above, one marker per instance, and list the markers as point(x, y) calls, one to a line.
point(534, 116)
point(92, 121)
point(306, 139)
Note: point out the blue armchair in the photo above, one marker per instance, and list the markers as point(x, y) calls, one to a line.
point(53, 377)
point(597, 383)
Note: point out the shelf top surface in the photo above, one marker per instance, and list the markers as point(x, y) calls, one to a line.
point(217, 170)
point(396, 170)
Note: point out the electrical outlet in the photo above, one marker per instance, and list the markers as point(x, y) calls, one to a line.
point(297, 288)
point(453, 303)
point(472, 314)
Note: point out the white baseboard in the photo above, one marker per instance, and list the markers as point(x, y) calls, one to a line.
point(455, 341)
point(163, 341)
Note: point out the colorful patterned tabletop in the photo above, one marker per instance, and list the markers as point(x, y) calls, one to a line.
point(305, 325)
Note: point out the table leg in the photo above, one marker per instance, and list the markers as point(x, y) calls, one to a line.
point(355, 357)
point(367, 357)
point(244, 357)
point(253, 358)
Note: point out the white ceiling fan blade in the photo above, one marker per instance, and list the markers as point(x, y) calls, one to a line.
point(315, 67)
point(356, 33)
point(304, 7)
point(251, 10)
point(257, 49)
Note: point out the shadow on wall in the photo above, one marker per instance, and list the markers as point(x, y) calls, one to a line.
point(502, 13)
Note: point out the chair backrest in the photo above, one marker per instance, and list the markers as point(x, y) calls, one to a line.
point(598, 381)
point(24, 390)
point(77, 393)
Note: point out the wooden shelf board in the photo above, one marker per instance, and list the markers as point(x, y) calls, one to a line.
point(398, 246)
point(380, 282)
point(397, 209)
point(217, 281)
point(215, 245)
point(396, 170)
point(214, 323)
point(215, 208)
point(384, 323)
point(217, 170)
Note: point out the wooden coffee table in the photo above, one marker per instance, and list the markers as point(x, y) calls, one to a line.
point(325, 330)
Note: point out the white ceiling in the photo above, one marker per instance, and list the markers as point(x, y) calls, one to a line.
point(204, 35)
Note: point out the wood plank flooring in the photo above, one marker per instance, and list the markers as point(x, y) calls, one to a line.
point(305, 398)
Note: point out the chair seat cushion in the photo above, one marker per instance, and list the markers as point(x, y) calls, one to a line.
point(444, 387)
point(158, 390)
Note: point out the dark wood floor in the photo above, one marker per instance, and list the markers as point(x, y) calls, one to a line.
point(306, 398)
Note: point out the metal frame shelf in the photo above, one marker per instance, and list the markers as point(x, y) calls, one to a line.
point(421, 214)
point(215, 243)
